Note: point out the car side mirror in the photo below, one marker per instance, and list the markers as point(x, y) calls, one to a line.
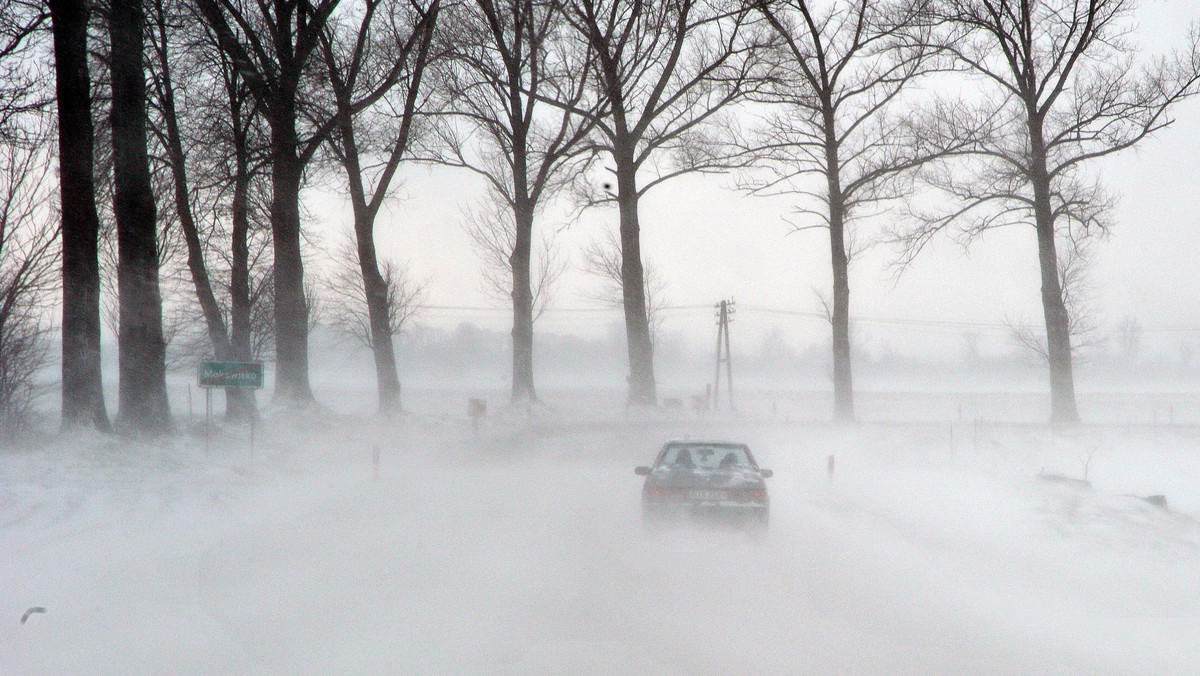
point(642, 471)
point(766, 473)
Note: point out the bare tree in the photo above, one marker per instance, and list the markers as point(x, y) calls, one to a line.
point(347, 301)
point(602, 259)
point(838, 73)
point(493, 233)
point(22, 23)
point(28, 263)
point(29, 257)
point(1075, 258)
point(169, 62)
point(505, 57)
point(1062, 86)
point(665, 72)
point(1129, 339)
point(375, 61)
point(82, 388)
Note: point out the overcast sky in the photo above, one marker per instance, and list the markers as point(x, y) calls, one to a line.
point(710, 242)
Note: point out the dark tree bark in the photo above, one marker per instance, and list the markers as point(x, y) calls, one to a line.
point(291, 306)
point(82, 388)
point(143, 390)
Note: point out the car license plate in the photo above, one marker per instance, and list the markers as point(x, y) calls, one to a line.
point(706, 494)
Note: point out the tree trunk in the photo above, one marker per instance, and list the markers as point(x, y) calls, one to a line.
point(143, 388)
point(82, 387)
point(843, 381)
point(143, 397)
point(291, 309)
point(1058, 325)
point(642, 391)
point(239, 402)
point(379, 315)
point(522, 304)
point(375, 287)
point(1063, 408)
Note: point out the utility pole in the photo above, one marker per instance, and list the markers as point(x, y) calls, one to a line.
point(725, 310)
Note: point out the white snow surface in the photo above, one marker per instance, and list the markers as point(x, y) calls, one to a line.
point(934, 548)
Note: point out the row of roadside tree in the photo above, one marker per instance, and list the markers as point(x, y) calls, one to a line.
point(189, 129)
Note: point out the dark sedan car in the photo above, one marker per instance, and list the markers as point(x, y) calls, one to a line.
point(707, 481)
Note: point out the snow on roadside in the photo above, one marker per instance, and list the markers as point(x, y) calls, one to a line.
point(167, 558)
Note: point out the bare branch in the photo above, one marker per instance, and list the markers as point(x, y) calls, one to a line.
point(345, 301)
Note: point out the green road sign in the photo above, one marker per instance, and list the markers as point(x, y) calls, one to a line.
point(231, 374)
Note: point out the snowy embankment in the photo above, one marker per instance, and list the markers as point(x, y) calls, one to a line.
point(933, 548)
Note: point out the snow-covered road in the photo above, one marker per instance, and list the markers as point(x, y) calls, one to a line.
point(524, 554)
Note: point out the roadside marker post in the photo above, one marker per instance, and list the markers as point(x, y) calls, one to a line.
point(477, 411)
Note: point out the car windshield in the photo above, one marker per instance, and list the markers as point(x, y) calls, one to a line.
point(705, 456)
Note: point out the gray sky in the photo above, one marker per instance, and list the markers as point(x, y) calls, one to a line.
point(710, 242)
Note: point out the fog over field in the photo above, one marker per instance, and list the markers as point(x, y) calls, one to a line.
point(933, 547)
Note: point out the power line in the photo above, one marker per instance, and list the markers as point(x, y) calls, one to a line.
point(550, 310)
point(758, 309)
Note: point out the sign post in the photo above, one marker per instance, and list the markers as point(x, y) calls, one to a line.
point(227, 374)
